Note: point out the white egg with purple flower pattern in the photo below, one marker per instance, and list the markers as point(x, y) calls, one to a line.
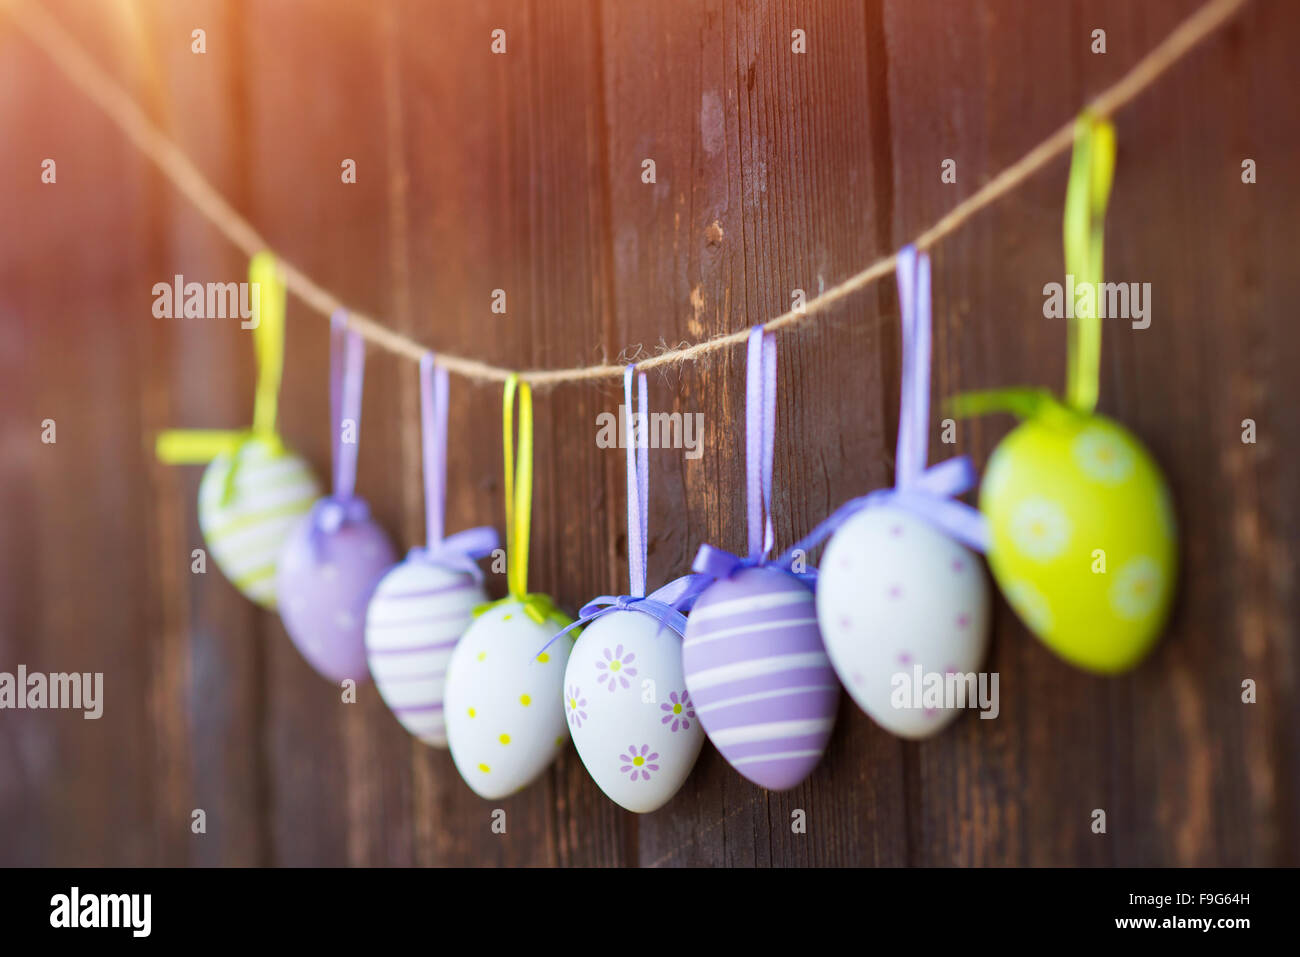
point(904, 612)
point(629, 713)
point(505, 720)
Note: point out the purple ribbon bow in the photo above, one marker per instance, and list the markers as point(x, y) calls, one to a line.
point(714, 563)
point(928, 493)
point(461, 551)
point(665, 604)
point(347, 371)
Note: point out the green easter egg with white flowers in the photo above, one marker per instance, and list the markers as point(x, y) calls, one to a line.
point(1082, 537)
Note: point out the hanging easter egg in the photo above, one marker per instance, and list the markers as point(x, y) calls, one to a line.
point(250, 498)
point(899, 601)
point(903, 604)
point(254, 490)
point(333, 560)
point(629, 713)
point(417, 614)
point(504, 706)
point(1083, 542)
point(758, 675)
point(1083, 539)
point(504, 701)
point(421, 608)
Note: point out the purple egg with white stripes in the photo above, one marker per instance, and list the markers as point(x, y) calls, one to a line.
point(324, 582)
point(417, 614)
point(759, 676)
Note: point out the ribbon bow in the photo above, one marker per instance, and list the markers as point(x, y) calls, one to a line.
point(519, 505)
point(200, 446)
point(540, 608)
point(928, 493)
point(331, 513)
point(712, 563)
point(461, 551)
point(668, 603)
point(1092, 170)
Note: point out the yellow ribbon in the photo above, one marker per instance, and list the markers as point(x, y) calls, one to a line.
point(519, 483)
point(268, 339)
point(200, 446)
point(1092, 170)
point(519, 507)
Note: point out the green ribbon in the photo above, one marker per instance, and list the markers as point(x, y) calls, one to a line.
point(1024, 402)
point(1092, 169)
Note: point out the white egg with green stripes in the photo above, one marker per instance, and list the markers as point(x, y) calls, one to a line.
point(246, 520)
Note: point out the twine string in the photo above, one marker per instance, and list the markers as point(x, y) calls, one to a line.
point(96, 84)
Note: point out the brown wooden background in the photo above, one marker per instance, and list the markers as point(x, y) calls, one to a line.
point(522, 172)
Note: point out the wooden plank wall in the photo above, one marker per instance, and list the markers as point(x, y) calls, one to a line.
point(522, 172)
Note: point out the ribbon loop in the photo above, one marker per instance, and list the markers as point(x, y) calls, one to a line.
point(638, 481)
point(929, 493)
point(760, 439)
point(461, 551)
point(712, 563)
point(434, 393)
point(914, 407)
point(347, 371)
point(668, 603)
point(519, 483)
point(1092, 170)
point(268, 338)
point(201, 446)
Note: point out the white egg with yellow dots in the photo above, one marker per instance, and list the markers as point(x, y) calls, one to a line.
point(504, 707)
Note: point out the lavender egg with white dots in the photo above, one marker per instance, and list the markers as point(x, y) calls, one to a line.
point(324, 581)
point(759, 677)
point(904, 612)
point(416, 616)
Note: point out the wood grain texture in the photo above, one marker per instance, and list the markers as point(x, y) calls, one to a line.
point(775, 171)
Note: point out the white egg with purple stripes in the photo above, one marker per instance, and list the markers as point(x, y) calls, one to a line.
point(246, 521)
point(759, 677)
point(630, 715)
point(415, 618)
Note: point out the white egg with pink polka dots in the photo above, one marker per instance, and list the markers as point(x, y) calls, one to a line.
point(899, 603)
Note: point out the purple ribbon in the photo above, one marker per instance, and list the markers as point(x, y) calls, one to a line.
point(928, 493)
point(462, 550)
point(713, 563)
point(667, 604)
point(347, 372)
